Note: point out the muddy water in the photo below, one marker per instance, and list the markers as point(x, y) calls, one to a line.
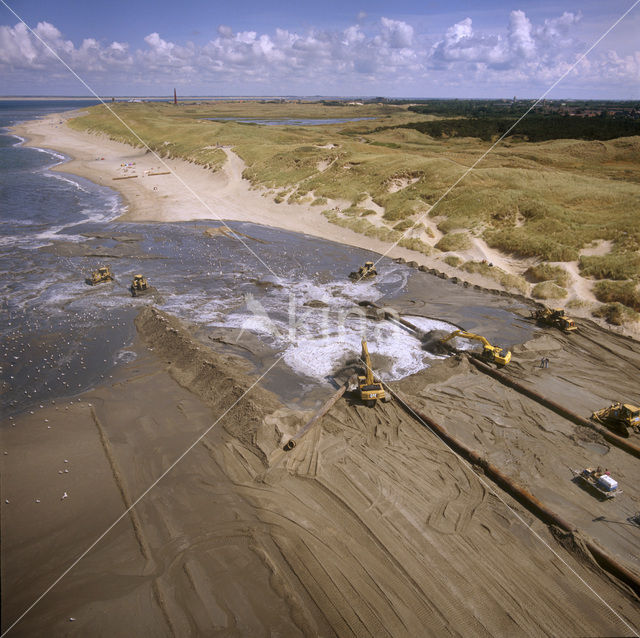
point(270, 294)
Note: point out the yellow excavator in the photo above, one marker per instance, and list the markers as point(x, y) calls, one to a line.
point(364, 272)
point(490, 353)
point(619, 417)
point(370, 390)
point(102, 275)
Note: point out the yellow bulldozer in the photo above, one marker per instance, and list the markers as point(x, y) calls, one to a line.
point(100, 276)
point(364, 272)
point(492, 354)
point(369, 389)
point(139, 286)
point(621, 418)
point(554, 317)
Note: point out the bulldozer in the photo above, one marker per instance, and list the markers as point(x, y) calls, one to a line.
point(492, 354)
point(364, 272)
point(619, 417)
point(139, 286)
point(369, 389)
point(554, 317)
point(100, 276)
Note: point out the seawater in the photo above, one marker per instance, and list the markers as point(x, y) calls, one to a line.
point(289, 291)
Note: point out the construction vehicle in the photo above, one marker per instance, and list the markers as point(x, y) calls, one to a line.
point(100, 276)
point(139, 286)
point(492, 354)
point(619, 417)
point(554, 317)
point(599, 481)
point(370, 390)
point(364, 272)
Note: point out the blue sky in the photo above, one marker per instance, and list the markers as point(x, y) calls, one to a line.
point(335, 47)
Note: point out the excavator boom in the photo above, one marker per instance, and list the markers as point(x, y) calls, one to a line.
point(370, 389)
point(489, 352)
point(367, 363)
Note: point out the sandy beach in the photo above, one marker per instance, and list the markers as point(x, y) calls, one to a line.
point(372, 525)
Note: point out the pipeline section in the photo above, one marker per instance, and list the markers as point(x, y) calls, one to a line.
point(606, 434)
point(521, 495)
point(291, 443)
point(612, 438)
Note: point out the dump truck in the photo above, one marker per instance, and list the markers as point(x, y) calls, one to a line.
point(554, 317)
point(139, 286)
point(492, 354)
point(364, 272)
point(100, 276)
point(369, 389)
point(599, 481)
point(621, 418)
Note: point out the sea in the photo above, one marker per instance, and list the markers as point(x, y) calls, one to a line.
point(61, 336)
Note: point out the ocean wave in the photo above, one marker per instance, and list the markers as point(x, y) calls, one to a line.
point(62, 178)
point(48, 151)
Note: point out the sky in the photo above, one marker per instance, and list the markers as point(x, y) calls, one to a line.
point(400, 48)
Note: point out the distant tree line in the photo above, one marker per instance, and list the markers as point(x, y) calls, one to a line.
point(516, 108)
point(533, 128)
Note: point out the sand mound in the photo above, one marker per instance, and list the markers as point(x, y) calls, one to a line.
point(218, 379)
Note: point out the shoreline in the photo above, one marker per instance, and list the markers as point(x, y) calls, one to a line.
point(192, 192)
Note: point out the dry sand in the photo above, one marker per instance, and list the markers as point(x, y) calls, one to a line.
point(192, 192)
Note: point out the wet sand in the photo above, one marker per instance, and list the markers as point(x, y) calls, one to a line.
point(370, 526)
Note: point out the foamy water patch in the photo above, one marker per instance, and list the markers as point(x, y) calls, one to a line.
point(48, 151)
point(68, 180)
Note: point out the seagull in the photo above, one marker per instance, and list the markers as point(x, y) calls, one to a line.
point(65, 495)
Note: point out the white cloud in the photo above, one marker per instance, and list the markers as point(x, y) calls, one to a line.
point(388, 56)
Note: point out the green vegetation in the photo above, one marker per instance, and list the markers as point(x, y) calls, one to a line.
point(547, 200)
point(621, 265)
point(453, 260)
point(454, 241)
point(413, 243)
point(616, 313)
point(506, 279)
point(362, 226)
point(534, 128)
point(547, 272)
point(478, 108)
point(548, 290)
point(625, 292)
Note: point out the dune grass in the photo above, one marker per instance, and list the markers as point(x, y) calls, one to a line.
point(507, 280)
point(453, 260)
point(547, 272)
point(548, 200)
point(616, 313)
point(620, 266)
point(548, 290)
point(454, 241)
point(624, 292)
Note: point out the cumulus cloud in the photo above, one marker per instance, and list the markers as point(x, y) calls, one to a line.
point(361, 58)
